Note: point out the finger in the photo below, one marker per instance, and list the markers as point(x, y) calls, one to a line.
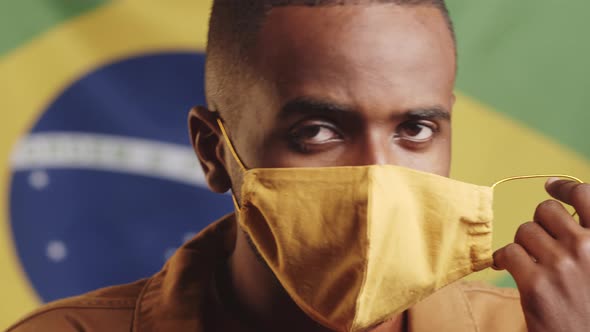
point(574, 194)
point(538, 243)
point(555, 219)
point(514, 259)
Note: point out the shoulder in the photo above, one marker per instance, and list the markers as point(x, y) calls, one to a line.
point(107, 309)
point(493, 308)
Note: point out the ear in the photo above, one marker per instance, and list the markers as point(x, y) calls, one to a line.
point(208, 145)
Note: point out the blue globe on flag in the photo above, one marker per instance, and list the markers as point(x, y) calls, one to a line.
point(106, 185)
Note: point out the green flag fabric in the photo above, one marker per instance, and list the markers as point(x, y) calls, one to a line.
point(100, 185)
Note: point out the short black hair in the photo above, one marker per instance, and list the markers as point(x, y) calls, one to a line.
point(233, 28)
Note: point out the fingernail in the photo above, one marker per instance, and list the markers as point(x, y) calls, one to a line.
point(551, 180)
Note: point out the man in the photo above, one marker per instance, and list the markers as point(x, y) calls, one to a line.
point(333, 83)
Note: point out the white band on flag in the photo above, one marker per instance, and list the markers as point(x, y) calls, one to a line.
point(74, 150)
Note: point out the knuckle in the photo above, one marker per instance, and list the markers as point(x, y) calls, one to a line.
point(581, 245)
point(537, 285)
point(564, 265)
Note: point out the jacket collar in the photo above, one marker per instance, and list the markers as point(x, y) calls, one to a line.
point(445, 310)
point(181, 296)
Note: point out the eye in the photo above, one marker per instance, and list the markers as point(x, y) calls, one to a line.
point(416, 131)
point(313, 133)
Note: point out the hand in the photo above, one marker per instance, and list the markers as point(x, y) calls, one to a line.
point(550, 261)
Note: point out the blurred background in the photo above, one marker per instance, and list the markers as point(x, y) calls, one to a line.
point(98, 183)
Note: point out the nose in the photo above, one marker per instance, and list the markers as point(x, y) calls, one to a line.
point(375, 149)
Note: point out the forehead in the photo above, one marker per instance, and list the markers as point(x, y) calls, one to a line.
point(357, 53)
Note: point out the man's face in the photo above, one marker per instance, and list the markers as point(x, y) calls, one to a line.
point(349, 85)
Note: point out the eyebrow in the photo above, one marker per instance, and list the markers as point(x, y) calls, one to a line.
point(307, 105)
point(434, 112)
point(313, 106)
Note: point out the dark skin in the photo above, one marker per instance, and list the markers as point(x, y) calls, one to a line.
point(364, 85)
point(550, 261)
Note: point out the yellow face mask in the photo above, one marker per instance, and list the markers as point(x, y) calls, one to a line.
point(355, 246)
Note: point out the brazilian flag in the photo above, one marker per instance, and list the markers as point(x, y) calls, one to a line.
point(99, 184)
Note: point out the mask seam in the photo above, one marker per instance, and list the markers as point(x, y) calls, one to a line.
point(475, 240)
point(367, 237)
point(472, 241)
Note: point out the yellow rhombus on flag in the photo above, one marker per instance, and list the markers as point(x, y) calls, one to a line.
point(71, 80)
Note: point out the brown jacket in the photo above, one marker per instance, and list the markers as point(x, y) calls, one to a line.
point(181, 297)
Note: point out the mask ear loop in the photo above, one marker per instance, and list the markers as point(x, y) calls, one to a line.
point(537, 176)
point(230, 145)
point(235, 156)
